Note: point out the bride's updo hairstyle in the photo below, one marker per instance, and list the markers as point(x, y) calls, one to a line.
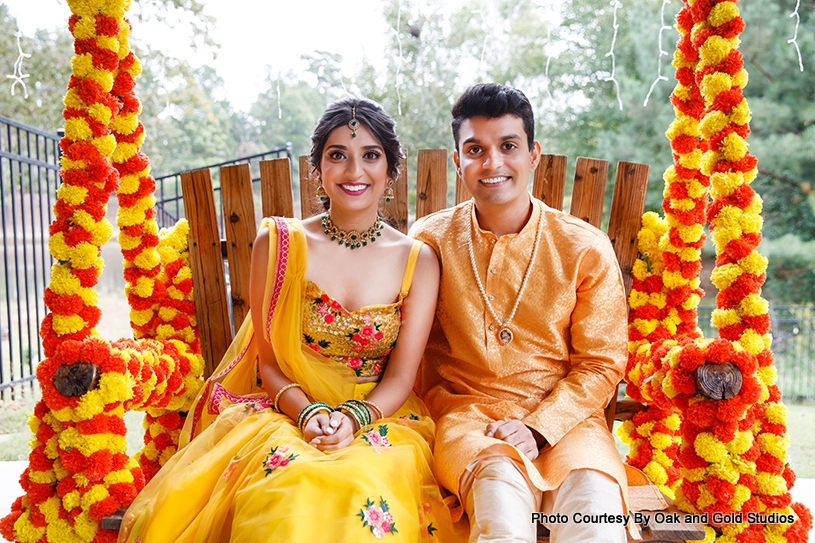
point(371, 116)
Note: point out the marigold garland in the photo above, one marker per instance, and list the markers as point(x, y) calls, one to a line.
point(733, 451)
point(78, 467)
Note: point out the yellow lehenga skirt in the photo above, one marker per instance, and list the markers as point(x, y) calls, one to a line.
point(251, 477)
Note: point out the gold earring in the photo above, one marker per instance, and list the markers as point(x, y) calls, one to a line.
point(388, 194)
point(321, 193)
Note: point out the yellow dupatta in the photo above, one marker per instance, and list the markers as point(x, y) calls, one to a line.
point(235, 378)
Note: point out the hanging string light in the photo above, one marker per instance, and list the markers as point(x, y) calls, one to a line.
point(398, 78)
point(19, 76)
point(661, 53)
point(794, 39)
point(616, 5)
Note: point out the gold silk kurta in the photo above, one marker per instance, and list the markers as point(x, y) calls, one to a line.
point(561, 368)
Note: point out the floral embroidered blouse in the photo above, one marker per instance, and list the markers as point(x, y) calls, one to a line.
point(361, 339)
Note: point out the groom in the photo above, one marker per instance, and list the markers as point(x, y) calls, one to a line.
point(528, 344)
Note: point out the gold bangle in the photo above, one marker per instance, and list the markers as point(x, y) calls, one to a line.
point(354, 416)
point(281, 391)
point(370, 404)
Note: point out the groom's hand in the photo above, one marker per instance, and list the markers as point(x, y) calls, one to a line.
point(518, 434)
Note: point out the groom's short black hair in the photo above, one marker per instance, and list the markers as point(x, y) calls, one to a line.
point(492, 100)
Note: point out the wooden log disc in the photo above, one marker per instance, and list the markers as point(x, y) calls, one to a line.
point(718, 381)
point(76, 379)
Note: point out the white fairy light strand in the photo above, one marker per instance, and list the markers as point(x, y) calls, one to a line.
point(19, 76)
point(794, 39)
point(401, 58)
point(616, 4)
point(548, 62)
point(662, 52)
point(480, 11)
point(279, 109)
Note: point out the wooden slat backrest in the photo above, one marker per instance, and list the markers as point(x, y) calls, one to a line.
point(206, 262)
point(240, 229)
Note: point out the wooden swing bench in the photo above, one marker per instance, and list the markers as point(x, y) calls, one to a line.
point(220, 306)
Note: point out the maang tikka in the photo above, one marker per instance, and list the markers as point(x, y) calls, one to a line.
point(353, 124)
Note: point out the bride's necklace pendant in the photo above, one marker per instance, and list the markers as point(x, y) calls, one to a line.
point(505, 335)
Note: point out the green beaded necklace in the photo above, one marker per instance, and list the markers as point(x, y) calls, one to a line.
point(352, 239)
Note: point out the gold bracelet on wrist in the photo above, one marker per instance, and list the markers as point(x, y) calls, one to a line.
point(372, 405)
point(280, 392)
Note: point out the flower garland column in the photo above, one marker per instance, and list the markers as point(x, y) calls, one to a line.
point(742, 314)
point(665, 293)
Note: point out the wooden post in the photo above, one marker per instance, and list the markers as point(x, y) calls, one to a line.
point(396, 209)
point(275, 188)
point(240, 228)
point(309, 203)
point(206, 263)
point(626, 215)
point(549, 182)
point(589, 190)
point(431, 181)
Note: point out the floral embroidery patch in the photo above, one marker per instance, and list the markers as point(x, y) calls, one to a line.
point(316, 346)
point(378, 437)
point(365, 336)
point(424, 513)
point(377, 518)
point(277, 458)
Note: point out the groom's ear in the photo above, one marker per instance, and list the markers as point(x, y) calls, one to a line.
point(458, 164)
point(535, 155)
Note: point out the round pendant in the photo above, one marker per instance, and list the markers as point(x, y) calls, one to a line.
point(505, 335)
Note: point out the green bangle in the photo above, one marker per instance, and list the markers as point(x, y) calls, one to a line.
point(361, 414)
point(309, 411)
point(363, 409)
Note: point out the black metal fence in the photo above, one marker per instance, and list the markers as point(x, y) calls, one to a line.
point(29, 165)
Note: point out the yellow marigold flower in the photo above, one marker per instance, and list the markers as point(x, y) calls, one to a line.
point(773, 444)
point(724, 317)
point(85, 28)
point(125, 123)
point(635, 299)
point(734, 147)
point(68, 324)
point(656, 473)
point(723, 276)
point(741, 495)
point(777, 413)
point(754, 263)
point(43, 477)
point(740, 114)
point(685, 204)
point(741, 443)
point(722, 13)
point(71, 194)
point(78, 129)
point(659, 299)
point(108, 42)
point(706, 498)
point(147, 259)
point(693, 160)
point(128, 184)
point(712, 52)
point(105, 144)
point(645, 327)
point(124, 151)
point(661, 441)
point(710, 448)
point(752, 341)
point(768, 483)
point(753, 305)
point(740, 79)
point(715, 121)
point(723, 184)
point(142, 317)
point(673, 279)
point(71, 500)
point(68, 164)
point(100, 112)
point(96, 493)
point(725, 471)
point(694, 475)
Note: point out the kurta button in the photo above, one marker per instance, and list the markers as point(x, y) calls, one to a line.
point(492, 297)
point(492, 327)
point(493, 271)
